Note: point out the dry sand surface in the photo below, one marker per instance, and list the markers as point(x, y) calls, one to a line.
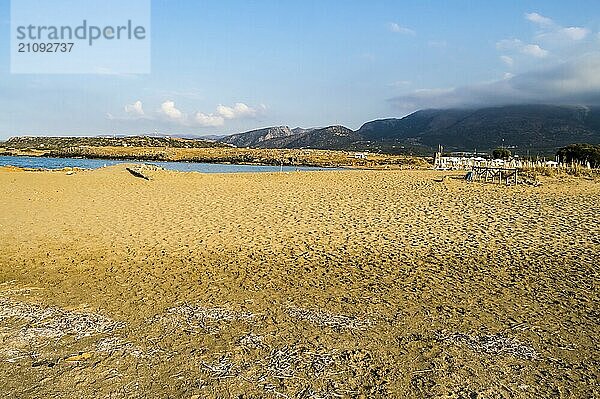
point(302, 285)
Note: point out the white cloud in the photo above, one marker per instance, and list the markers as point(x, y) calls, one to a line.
point(563, 67)
point(224, 112)
point(135, 109)
point(239, 110)
point(563, 37)
point(168, 109)
point(534, 50)
point(209, 120)
point(394, 27)
point(550, 43)
point(574, 33)
point(552, 32)
point(507, 60)
point(573, 82)
point(168, 112)
point(509, 44)
point(539, 19)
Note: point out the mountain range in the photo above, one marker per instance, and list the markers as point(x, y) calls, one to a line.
point(332, 137)
point(522, 128)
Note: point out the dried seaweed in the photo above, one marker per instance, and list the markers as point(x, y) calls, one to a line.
point(496, 344)
point(54, 322)
point(222, 368)
point(197, 316)
point(326, 319)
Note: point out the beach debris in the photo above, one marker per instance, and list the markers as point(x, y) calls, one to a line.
point(222, 368)
point(137, 173)
point(206, 313)
point(319, 362)
point(252, 341)
point(495, 344)
point(282, 362)
point(19, 291)
point(531, 182)
point(326, 319)
point(141, 170)
point(288, 361)
point(54, 322)
point(272, 389)
point(27, 329)
point(13, 355)
point(82, 356)
point(201, 317)
point(111, 345)
point(309, 393)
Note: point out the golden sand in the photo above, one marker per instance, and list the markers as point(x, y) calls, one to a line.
point(300, 285)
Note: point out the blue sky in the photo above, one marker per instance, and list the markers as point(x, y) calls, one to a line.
point(221, 67)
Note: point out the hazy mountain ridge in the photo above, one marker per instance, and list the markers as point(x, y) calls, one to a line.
point(257, 138)
point(330, 137)
point(522, 127)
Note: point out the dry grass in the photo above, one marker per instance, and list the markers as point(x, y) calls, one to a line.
point(575, 170)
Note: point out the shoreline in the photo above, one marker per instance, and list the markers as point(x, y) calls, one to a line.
point(234, 156)
point(148, 161)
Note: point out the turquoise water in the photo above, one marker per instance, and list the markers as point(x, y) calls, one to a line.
point(59, 163)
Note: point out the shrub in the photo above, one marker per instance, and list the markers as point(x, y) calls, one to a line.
point(501, 153)
point(580, 153)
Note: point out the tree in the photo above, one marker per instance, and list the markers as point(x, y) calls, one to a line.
point(501, 153)
point(581, 153)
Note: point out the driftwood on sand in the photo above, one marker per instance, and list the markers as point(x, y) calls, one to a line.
point(137, 173)
point(141, 170)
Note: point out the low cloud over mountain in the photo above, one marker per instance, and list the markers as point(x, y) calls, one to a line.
point(572, 82)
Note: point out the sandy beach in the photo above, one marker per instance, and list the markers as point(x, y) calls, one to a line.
point(358, 284)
